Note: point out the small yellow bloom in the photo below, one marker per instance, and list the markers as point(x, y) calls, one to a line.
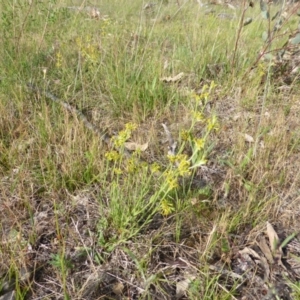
point(212, 124)
point(78, 42)
point(261, 70)
point(185, 135)
point(112, 155)
point(121, 138)
point(212, 85)
point(118, 171)
point(124, 135)
point(167, 207)
point(204, 96)
point(58, 58)
point(198, 116)
point(155, 167)
point(183, 167)
point(204, 88)
point(182, 164)
point(130, 126)
point(196, 97)
point(199, 143)
point(132, 165)
point(172, 158)
point(171, 180)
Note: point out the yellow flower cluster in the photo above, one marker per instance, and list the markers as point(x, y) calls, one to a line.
point(104, 25)
point(181, 160)
point(167, 207)
point(198, 116)
point(182, 169)
point(171, 179)
point(58, 59)
point(199, 143)
point(185, 135)
point(124, 135)
point(183, 165)
point(155, 167)
point(88, 49)
point(132, 165)
point(205, 93)
point(117, 171)
point(113, 155)
point(213, 124)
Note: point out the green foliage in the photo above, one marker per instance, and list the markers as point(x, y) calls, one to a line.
point(170, 187)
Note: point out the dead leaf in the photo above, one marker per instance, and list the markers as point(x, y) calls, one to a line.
point(273, 237)
point(135, 147)
point(248, 138)
point(274, 244)
point(264, 262)
point(258, 260)
point(265, 249)
point(247, 21)
point(118, 288)
point(173, 79)
point(166, 64)
point(236, 117)
point(249, 251)
point(172, 143)
point(182, 286)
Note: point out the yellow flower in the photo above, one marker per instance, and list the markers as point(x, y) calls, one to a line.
point(171, 180)
point(130, 126)
point(171, 158)
point(155, 167)
point(132, 165)
point(212, 85)
point(183, 165)
point(58, 58)
point(204, 88)
point(199, 143)
point(167, 207)
point(204, 96)
point(78, 41)
point(212, 124)
point(124, 135)
point(185, 135)
point(121, 138)
point(112, 155)
point(197, 116)
point(118, 171)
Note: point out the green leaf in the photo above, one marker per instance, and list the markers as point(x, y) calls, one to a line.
point(265, 14)
point(264, 10)
point(277, 25)
point(296, 39)
point(247, 21)
point(276, 15)
point(265, 36)
point(268, 57)
point(263, 6)
point(288, 239)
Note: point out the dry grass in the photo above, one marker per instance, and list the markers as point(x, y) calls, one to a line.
point(75, 225)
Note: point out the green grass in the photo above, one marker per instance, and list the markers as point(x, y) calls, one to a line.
point(89, 219)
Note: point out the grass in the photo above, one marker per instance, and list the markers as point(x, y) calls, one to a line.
point(83, 219)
